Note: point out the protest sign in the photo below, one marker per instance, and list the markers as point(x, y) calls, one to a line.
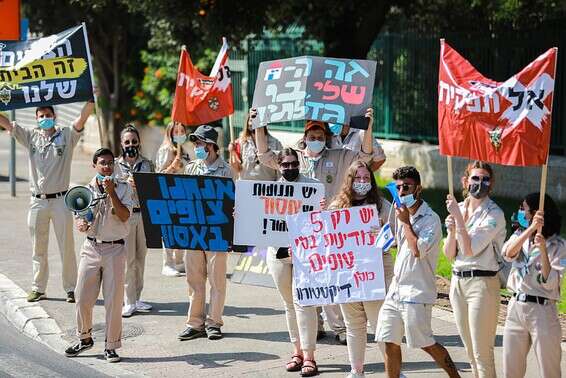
point(47, 71)
point(317, 88)
point(252, 269)
point(261, 208)
point(334, 256)
point(186, 212)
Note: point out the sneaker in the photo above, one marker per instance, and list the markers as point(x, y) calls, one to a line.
point(70, 297)
point(79, 347)
point(180, 268)
point(341, 338)
point(320, 335)
point(191, 333)
point(143, 307)
point(111, 355)
point(128, 310)
point(35, 296)
point(170, 272)
point(356, 375)
point(213, 333)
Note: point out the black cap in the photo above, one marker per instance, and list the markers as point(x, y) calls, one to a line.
point(206, 133)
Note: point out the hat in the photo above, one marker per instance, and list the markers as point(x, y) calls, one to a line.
point(206, 133)
point(312, 124)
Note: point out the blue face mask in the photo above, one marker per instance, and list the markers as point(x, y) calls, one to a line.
point(408, 200)
point(179, 139)
point(315, 146)
point(101, 177)
point(201, 153)
point(335, 128)
point(523, 222)
point(46, 123)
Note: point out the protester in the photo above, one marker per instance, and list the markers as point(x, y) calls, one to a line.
point(538, 254)
point(103, 257)
point(476, 232)
point(199, 264)
point(301, 321)
point(344, 136)
point(407, 309)
point(50, 151)
point(317, 160)
point(360, 189)
point(171, 158)
point(129, 163)
point(243, 155)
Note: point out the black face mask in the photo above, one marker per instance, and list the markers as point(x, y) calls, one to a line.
point(478, 190)
point(290, 174)
point(131, 151)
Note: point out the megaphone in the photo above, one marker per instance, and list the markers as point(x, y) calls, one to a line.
point(80, 200)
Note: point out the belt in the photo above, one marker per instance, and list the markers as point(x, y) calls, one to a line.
point(49, 196)
point(522, 297)
point(136, 210)
point(474, 273)
point(98, 241)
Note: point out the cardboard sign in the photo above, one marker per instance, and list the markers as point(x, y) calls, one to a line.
point(318, 88)
point(262, 206)
point(186, 212)
point(334, 256)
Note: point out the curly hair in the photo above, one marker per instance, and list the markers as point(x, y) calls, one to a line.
point(476, 164)
point(345, 196)
point(407, 172)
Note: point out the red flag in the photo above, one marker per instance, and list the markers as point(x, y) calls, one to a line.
point(504, 123)
point(200, 99)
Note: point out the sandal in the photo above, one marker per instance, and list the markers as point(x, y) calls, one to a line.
point(309, 370)
point(294, 365)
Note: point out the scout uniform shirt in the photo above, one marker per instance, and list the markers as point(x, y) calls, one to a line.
point(414, 278)
point(330, 167)
point(219, 168)
point(251, 167)
point(106, 226)
point(122, 170)
point(526, 277)
point(353, 141)
point(49, 157)
point(165, 156)
point(486, 227)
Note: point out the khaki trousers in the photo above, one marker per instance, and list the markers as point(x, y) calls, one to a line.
point(475, 302)
point(101, 263)
point(173, 257)
point(199, 266)
point(135, 264)
point(41, 212)
point(301, 321)
point(531, 324)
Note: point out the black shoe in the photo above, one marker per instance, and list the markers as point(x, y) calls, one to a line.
point(70, 297)
point(111, 355)
point(213, 333)
point(341, 338)
point(191, 333)
point(320, 335)
point(79, 347)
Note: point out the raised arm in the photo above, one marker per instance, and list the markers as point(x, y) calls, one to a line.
point(5, 123)
point(367, 143)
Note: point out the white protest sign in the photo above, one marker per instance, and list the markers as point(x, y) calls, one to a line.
point(334, 256)
point(261, 208)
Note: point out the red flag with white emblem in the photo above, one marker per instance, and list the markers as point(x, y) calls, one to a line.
point(504, 123)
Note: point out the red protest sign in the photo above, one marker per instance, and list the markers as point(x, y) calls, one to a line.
point(499, 122)
point(10, 16)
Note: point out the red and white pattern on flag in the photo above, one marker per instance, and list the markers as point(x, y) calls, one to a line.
point(499, 122)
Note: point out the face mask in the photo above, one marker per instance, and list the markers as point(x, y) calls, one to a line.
point(290, 174)
point(46, 123)
point(315, 146)
point(131, 151)
point(408, 200)
point(361, 188)
point(523, 222)
point(201, 153)
point(335, 128)
point(478, 190)
point(179, 139)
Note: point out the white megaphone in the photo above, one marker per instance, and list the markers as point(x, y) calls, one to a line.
point(80, 200)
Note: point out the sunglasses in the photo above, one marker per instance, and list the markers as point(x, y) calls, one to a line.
point(478, 179)
point(291, 164)
point(405, 187)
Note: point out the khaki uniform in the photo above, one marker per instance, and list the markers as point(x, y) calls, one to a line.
point(353, 141)
point(49, 171)
point(251, 167)
point(104, 262)
point(529, 323)
point(201, 265)
point(135, 243)
point(165, 156)
point(475, 300)
point(408, 306)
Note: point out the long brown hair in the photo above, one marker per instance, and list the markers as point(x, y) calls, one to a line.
point(345, 196)
point(168, 137)
point(476, 164)
point(246, 132)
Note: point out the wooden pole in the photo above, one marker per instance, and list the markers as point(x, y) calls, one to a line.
point(450, 177)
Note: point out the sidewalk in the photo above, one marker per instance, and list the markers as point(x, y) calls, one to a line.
point(256, 340)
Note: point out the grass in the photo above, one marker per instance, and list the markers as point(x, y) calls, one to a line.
point(436, 199)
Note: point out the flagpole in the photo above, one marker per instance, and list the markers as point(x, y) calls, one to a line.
point(450, 177)
point(96, 106)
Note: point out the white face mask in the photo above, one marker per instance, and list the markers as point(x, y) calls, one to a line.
point(361, 188)
point(315, 146)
